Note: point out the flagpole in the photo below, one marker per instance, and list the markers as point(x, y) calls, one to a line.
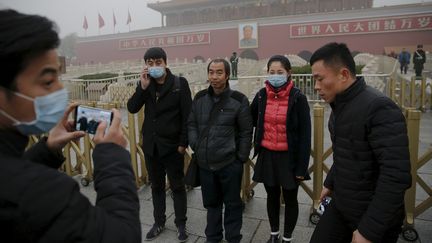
point(114, 21)
point(85, 25)
point(129, 20)
point(101, 22)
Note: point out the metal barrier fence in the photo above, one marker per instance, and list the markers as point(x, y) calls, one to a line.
point(406, 93)
point(79, 162)
point(413, 93)
point(417, 161)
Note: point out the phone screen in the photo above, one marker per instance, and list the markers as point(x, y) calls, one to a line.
point(87, 119)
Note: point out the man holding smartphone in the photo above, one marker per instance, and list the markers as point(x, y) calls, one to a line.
point(38, 203)
point(167, 100)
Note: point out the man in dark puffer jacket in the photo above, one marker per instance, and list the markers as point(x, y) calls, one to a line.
point(39, 204)
point(371, 168)
point(222, 151)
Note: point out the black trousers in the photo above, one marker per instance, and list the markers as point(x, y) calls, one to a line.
point(158, 167)
point(273, 208)
point(234, 70)
point(418, 72)
point(403, 67)
point(222, 187)
point(333, 227)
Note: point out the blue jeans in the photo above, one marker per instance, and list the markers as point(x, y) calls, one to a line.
point(222, 187)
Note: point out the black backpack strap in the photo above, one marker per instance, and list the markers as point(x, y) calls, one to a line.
point(177, 84)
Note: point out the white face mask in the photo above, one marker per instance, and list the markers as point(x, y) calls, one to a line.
point(49, 109)
point(277, 80)
point(156, 72)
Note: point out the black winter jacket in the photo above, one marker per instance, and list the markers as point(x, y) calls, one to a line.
point(371, 168)
point(419, 59)
point(229, 138)
point(298, 128)
point(165, 117)
point(40, 204)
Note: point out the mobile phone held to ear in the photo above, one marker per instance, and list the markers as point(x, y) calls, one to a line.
point(87, 118)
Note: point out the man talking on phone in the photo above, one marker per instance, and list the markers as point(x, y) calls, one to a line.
point(167, 100)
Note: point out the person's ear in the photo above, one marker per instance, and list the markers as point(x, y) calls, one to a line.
point(344, 74)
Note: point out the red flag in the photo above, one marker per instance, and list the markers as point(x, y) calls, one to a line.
point(114, 19)
point(129, 19)
point(101, 21)
point(85, 24)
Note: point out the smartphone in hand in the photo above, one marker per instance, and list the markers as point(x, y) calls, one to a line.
point(87, 118)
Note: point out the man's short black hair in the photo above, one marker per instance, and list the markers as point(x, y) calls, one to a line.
point(248, 26)
point(22, 38)
point(155, 53)
point(335, 55)
point(282, 59)
point(221, 60)
point(419, 46)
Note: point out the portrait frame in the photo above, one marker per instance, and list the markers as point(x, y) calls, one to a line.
point(247, 43)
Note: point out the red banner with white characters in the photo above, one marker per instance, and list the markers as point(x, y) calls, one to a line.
point(183, 39)
point(362, 26)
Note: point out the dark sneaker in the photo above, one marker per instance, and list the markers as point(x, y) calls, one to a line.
point(154, 232)
point(182, 233)
point(273, 239)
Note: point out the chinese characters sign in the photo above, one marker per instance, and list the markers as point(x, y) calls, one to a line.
point(164, 41)
point(376, 25)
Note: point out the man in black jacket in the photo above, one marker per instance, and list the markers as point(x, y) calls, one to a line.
point(167, 100)
point(37, 202)
point(371, 168)
point(220, 133)
point(419, 59)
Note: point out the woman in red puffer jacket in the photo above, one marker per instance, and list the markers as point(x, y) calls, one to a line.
point(282, 142)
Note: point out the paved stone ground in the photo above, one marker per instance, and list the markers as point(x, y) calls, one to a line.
point(255, 222)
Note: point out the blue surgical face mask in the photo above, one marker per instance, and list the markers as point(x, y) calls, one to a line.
point(277, 80)
point(156, 72)
point(49, 110)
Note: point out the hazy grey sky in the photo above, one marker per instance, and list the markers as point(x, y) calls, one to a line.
point(69, 14)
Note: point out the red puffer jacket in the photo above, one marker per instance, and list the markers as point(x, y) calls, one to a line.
point(275, 135)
